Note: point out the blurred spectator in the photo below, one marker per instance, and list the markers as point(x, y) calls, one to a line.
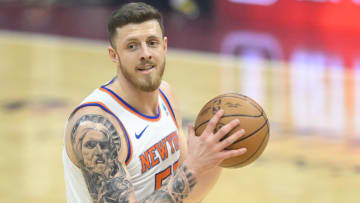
point(193, 8)
point(186, 7)
point(189, 8)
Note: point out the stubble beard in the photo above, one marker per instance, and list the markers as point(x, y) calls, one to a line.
point(149, 83)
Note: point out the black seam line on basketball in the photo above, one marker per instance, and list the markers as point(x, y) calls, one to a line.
point(257, 149)
point(235, 95)
point(253, 133)
point(242, 115)
point(231, 115)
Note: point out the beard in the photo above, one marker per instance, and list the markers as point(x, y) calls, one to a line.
point(147, 83)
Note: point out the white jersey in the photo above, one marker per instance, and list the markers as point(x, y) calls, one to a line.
point(153, 142)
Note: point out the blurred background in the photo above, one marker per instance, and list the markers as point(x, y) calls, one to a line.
point(300, 59)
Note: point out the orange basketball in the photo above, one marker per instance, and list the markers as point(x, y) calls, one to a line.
point(252, 118)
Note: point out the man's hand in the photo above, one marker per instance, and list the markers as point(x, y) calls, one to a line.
point(207, 151)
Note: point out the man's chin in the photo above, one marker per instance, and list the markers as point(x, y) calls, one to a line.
point(150, 87)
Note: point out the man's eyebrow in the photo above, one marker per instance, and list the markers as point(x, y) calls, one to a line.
point(131, 40)
point(154, 37)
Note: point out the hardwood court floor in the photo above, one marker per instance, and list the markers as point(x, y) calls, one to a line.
point(312, 156)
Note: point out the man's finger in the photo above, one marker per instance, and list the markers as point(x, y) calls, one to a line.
point(233, 153)
point(226, 129)
point(213, 121)
point(231, 139)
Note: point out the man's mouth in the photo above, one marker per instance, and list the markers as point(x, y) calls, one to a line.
point(146, 67)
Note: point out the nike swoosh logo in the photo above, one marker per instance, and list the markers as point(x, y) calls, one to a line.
point(139, 135)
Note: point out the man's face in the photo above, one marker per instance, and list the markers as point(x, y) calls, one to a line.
point(141, 50)
point(96, 152)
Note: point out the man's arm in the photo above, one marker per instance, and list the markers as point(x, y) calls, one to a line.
point(177, 189)
point(208, 178)
point(95, 142)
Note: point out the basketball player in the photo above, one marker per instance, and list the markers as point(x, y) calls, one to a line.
point(124, 142)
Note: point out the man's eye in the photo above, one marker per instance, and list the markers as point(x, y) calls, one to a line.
point(131, 46)
point(153, 43)
point(90, 144)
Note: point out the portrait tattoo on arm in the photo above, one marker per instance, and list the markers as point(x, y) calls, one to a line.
point(96, 144)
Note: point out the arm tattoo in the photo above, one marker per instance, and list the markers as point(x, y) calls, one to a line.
point(96, 143)
point(177, 189)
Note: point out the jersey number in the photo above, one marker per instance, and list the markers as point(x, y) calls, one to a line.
point(161, 176)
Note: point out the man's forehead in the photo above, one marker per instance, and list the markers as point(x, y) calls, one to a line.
point(139, 30)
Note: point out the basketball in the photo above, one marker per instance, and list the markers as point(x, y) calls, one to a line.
point(252, 119)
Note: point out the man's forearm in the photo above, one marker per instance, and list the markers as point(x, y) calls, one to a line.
point(177, 189)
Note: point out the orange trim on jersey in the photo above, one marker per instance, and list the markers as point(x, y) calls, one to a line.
point(169, 109)
point(129, 109)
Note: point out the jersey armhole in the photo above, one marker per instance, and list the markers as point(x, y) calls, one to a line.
point(168, 105)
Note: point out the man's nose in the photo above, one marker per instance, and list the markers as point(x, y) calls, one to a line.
point(145, 52)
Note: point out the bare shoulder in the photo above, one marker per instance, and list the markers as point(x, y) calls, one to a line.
point(170, 93)
point(95, 143)
point(91, 126)
point(171, 96)
point(166, 88)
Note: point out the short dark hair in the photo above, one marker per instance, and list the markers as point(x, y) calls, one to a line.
point(132, 13)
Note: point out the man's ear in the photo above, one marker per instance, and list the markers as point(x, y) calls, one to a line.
point(165, 43)
point(112, 54)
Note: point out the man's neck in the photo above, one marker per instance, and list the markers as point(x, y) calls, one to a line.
point(145, 102)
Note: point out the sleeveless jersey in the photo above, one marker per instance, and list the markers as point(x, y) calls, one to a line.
point(153, 145)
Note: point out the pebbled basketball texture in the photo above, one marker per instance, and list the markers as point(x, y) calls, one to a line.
point(252, 118)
